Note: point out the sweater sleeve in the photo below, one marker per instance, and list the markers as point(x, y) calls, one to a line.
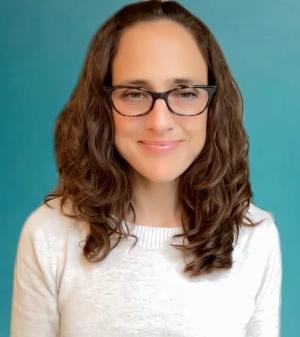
point(265, 321)
point(34, 309)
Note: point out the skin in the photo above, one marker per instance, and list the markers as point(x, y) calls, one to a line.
point(165, 50)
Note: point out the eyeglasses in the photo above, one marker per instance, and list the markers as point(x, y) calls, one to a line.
point(184, 100)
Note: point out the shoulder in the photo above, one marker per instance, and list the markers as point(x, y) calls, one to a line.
point(261, 238)
point(48, 239)
point(49, 224)
point(258, 213)
point(267, 226)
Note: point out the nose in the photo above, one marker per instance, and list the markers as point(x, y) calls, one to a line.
point(160, 118)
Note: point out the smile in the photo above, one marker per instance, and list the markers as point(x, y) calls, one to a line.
point(160, 147)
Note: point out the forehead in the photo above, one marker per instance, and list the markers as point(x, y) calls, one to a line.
point(158, 51)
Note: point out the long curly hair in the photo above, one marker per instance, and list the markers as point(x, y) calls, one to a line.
point(214, 192)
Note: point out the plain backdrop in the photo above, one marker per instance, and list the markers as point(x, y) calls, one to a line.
point(43, 45)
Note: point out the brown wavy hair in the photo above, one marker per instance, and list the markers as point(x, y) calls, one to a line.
point(214, 192)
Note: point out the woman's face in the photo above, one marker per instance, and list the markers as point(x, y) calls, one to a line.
point(159, 52)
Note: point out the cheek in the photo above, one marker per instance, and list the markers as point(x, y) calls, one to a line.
point(120, 127)
point(198, 132)
point(123, 132)
point(202, 133)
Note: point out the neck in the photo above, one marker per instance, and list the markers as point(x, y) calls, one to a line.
point(155, 203)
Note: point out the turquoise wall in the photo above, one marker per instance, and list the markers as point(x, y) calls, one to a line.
point(43, 44)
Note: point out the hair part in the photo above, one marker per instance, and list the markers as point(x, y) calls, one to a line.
point(214, 192)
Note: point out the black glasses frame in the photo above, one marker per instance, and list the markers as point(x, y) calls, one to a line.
point(160, 95)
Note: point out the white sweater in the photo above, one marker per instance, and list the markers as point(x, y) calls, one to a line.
point(142, 292)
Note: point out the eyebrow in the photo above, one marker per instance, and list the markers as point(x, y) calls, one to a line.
point(174, 81)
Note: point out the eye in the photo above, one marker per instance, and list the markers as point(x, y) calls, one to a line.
point(187, 94)
point(134, 94)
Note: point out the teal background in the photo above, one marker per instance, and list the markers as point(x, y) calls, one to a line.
point(43, 44)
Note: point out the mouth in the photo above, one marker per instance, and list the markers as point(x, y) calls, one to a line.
point(158, 146)
point(160, 143)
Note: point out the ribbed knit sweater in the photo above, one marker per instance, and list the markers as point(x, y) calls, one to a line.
point(142, 291)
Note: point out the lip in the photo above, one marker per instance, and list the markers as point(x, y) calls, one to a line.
point(159, 147)
point(160, 142)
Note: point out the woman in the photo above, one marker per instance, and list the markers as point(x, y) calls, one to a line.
point(151, 144)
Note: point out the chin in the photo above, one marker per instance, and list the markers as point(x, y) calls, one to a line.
point(158, 177)
point(162, 180)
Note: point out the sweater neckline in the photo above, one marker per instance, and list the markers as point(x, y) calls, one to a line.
point(152, 236)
